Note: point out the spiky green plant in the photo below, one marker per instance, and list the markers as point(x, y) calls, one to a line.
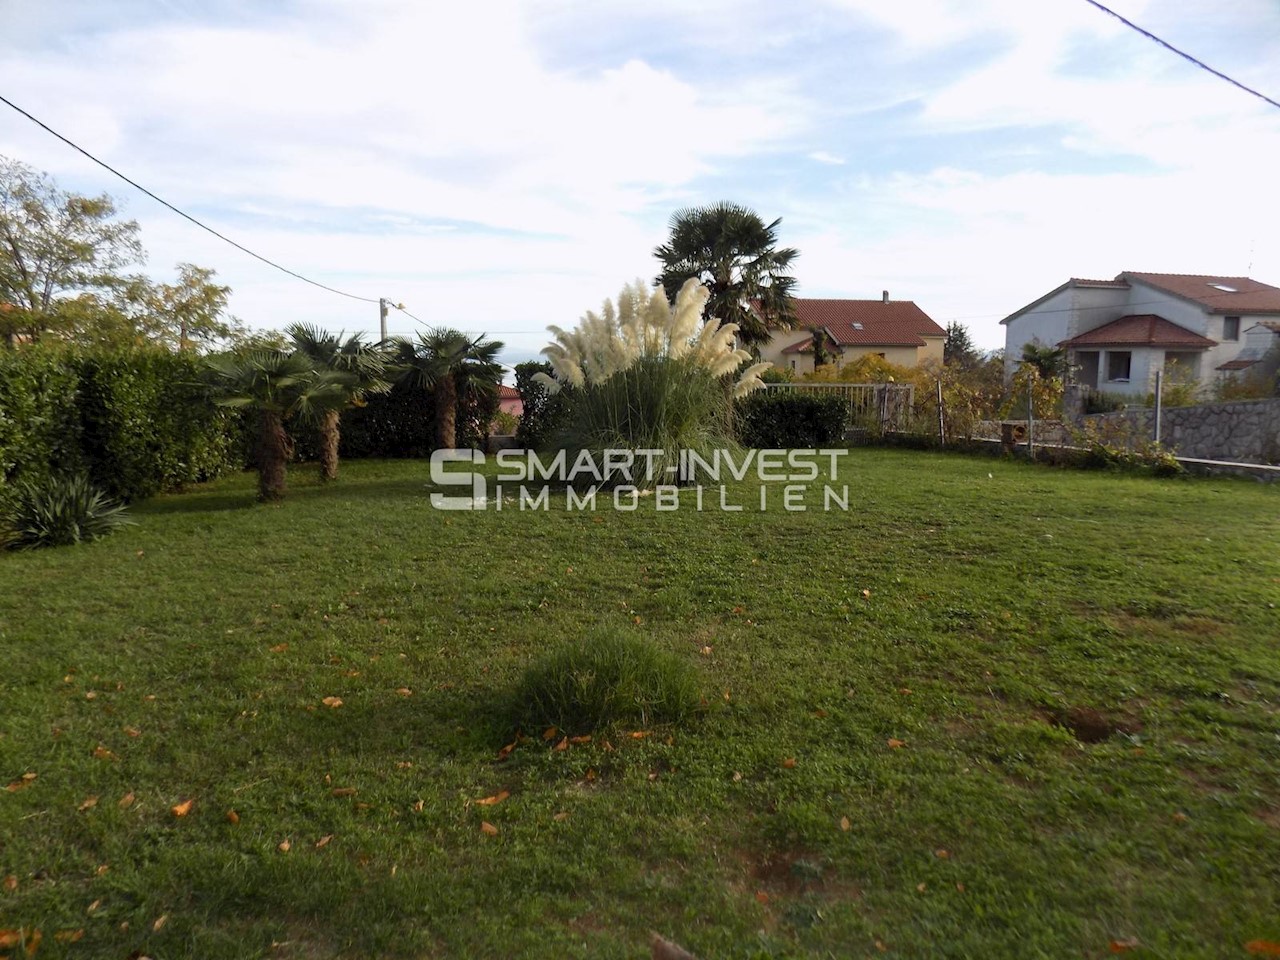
point(448, 364)
point(60, 512)
point(650, 376)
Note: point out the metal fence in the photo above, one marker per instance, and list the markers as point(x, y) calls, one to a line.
point(886, 404)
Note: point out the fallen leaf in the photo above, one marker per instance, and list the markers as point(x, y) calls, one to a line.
point(94, 906)
point(102, 753)
point(404, 691)
point(133, 731)
point(343, 792)
point(591, 775)
point(233, 817)
point(351, 673)
point(706, 651)
point(736, 610)
point(585, 738)
point(639, 734)
point(182, 809)
point(845, 825)
point(280, 648)
point(496, 798)
point(33, 942)
point(866, 594)
point(726, 696)
point(606, 746)
point(324, 841)
point(562, 745)
point(636, 621)
point(762, 896)
point(126, 801)
point(102, 869)
point(960, 887)
point(896, 744)
point(1263, 948)
point(820, 714)
point(69, 936)
point(905, 691)
point(881, 946)
point(69, 678)
point(149, 696)
point(920, 887)
point(10, 938)
point(284, 846)
point(488, 829)
point(333, 703)
point(88, 804)
point(160, 922)
point(737, 776)
point(1123, 946)
point(403, 764)
point(10, 883)
point(1180, 817)
point(789, 763)
point(418, 806)
point(506, 751)
point(91, 695)
point(549, 733)
point(942, 854)
point(562, 816)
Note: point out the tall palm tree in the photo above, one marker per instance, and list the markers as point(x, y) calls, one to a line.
point(450, 365)
point(363, 362)
point(1049, 361)
point(734, 253)
point(280, 387)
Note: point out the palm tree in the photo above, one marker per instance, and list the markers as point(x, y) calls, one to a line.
point(450, 365)
point(731, 250)
point(366, 365)
point(1049, 362)
point(280, 387)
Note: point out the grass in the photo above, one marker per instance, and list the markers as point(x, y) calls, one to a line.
point(923, 659)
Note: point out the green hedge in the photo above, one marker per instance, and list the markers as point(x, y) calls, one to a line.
point(544, 412)
point(139, 421)
point(774, 419)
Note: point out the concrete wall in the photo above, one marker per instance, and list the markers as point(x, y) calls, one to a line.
point(1247, 431)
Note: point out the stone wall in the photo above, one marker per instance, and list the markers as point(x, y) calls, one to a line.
point(1246, 431)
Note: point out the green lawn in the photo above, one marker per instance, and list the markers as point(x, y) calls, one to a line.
point(920, 658)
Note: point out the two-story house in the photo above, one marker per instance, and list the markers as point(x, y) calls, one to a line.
point(1119, 332)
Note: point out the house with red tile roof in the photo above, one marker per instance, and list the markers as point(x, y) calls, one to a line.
point(1118, 333)
point(509, 399)
point(897, 330)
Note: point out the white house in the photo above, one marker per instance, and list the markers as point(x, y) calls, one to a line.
point(1119, 332)
point(897, 330)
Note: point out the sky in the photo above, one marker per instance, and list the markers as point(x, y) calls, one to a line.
point(501, 166)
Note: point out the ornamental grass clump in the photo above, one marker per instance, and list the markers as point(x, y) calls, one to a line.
point(60, 512)
point(649, 375)
point(605, 677)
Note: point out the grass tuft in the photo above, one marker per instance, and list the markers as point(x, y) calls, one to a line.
point(605, 677)
point(60, 512)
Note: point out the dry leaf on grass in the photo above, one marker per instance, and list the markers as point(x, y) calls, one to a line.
point(233, 817)
point(69, 936)
point(895, 744)
point(280, 648)
point(562, 745)
point(639, 734)
point(126, 801)
point(88, 804)
point(1123, 946)
point(549, 733)
point(585, 738)
point(102, 753)
point(343, 792)
point(10, 883)
point(562, 816)
point(284, 846)
point(324, 841)
point(845, 824)
point(182, 809)
point(496, 798)
point(789, 763)
point(1263, 948)
point(488, 829)
point(333, 703)
point(404, 691)
point(506, 751)
point(160, 922)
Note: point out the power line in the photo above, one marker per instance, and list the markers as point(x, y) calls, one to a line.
point(1186, 56)
point(166, 203)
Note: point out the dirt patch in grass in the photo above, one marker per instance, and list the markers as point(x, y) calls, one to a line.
point(1089, 725)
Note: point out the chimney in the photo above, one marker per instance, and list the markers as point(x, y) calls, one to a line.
point(884, 297)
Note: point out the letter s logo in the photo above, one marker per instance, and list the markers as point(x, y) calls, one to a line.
point(441, 477)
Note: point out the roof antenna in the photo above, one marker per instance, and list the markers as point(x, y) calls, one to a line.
point(1251, 244)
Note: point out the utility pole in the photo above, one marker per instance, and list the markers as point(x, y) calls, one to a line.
point(382, 314)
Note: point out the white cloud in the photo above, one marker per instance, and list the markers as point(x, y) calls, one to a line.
point(822, 156)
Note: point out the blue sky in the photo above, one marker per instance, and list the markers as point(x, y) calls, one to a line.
point(502, 166)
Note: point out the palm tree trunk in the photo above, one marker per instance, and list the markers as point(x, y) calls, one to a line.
point(329, 435)
point(274, 450)
point(446, 397)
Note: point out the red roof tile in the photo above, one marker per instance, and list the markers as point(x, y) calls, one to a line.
point(1140, 330)
point(868, 323)
point(507, 393)
point(1245, 296)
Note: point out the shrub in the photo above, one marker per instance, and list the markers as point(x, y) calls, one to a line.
point(606, 676)
point(60, 512)
point(544, 412)
point(39, 417)
point(774, 419)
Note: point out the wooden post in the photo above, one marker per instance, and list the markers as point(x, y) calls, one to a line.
point(942, 431)
point(1159, 401)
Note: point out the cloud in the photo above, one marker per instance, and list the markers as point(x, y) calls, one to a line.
point(822, 156)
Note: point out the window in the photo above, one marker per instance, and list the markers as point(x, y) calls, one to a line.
point(1230, 328)
point(793, 364)
point(1118, 365)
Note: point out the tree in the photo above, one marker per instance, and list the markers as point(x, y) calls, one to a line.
point(279, 387)
point(958, 350)
point(189, 314)
point(54, 247)
point(450, 365)
point(734, 253)
point(820, 356)
point(1049, 362)
point(365, 365)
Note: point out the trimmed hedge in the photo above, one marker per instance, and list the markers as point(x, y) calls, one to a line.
point(544, 412)
point(137, 421)
point(774, 419)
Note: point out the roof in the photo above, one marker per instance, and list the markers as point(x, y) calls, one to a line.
point(1081, 282)
point(866, 323)
point(1140, 330)
point(1241, 296)
point(1236, 364)
point(507, 393)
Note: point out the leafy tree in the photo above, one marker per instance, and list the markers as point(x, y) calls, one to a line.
point(734, 253)
point(544, 411)
point(451, 366)
point(363, 363)
point(958, 350)
point(820, 355)
point(279, 387)
point(191, 312)
point(54, 247)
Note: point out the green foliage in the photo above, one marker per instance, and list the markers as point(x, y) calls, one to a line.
point(39, 416)
point(60, 511)
point(1121, 445)
point(458, 370)
point(776, 419)
point(777, 375)
point(731, 250)
point(958, 350)
point(606, 677)
point(1099, 401)
point(505, 423)
point(544, 412)
point(1049, 362)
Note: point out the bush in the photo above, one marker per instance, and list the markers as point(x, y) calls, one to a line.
point(39, 417)
point(61, 512)
point(544, 412)
point(605, 677)
point(774, 419)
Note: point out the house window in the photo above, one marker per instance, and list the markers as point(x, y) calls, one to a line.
point(1230, 328)
point(1118, 365)
point(793, 364)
